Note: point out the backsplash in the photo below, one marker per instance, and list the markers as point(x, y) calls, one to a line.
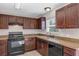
point(70, 31)
point(16, 28)
point(3, 31)
point(74, 32)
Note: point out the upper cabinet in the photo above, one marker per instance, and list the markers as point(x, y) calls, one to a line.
point(3, 22)
point(60, 18)
point(27, 23)
point(67, 17)
point(33, 23)
point(11, 20)
point(15, 20)
point(42, 23)
point(20, 20)
point(30, 23)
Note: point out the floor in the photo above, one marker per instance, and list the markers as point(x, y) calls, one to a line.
point(31, 53)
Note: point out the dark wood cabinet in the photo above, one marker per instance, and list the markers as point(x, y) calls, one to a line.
point(15, 20)
point(42, 47)
point(41, 23)
point(69, 51)
point(19, 20)
point(67, 17)
point(31, 23)
point(11, 20)
point(71, 20)
point(30, 44)
point(3, 47)
point(26, 23)
point(60, 18)
point(3, 22)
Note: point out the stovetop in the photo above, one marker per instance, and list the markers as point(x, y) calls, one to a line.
point(16, 35)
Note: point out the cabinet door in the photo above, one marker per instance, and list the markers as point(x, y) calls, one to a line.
point(42, 23)
point(3, 47)
point(26, 23)
point(19, 20)
point(69, 51)
point(38, 45)
point(33, 24)
point(42, 47)
point(60, 18)
point(12, 20)
point(78, 14)
point(30, 44)
point(71, 20)
point(3, 22)
point(39, 23)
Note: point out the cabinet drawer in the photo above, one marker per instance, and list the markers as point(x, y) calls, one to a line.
point(3, 51)
point(65, 54)
point(69, 51)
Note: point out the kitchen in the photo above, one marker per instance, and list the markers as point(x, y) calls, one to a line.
point(39, 29)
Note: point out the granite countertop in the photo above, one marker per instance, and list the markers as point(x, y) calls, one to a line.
point(4, 37)
point(65, 41)
point(59, 40)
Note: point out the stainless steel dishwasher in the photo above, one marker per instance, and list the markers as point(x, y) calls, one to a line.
point(55, 49)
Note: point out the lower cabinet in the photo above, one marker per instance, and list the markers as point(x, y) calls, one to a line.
point(42, 47)
point(3, 47)
point(30, 44)
point(69, 51)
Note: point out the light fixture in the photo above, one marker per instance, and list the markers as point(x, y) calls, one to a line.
point(47, 8)
point(17, 5)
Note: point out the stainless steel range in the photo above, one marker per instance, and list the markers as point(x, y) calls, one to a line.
point(15, 43)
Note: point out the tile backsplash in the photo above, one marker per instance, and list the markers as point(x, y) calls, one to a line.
point(16, 28)
point(69, 31)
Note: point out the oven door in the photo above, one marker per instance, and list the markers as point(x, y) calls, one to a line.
point(15, 46)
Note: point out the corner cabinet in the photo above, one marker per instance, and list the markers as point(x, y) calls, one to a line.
point(30, 23)
point(42, 23)
point(67, 17)
point(3, 22)
point(33, 23)
point(30, 44)
point(42, 47)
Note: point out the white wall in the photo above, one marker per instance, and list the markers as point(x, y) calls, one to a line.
point(19, 29)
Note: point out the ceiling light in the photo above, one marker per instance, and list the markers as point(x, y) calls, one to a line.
point(47, 8)
point(17, 5)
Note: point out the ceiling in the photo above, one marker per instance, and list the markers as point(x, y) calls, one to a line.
point(27, 9)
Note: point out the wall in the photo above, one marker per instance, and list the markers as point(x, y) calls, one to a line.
point(19, 29)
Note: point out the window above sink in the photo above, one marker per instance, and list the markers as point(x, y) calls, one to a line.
point(51, 25)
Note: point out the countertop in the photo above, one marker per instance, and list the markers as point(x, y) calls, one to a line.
point(58, 40)
point(4, 37)
point(65, 41)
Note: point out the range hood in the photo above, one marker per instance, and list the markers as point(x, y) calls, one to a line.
point(15, 23)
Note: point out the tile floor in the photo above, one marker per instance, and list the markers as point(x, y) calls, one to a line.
point(31, 53)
